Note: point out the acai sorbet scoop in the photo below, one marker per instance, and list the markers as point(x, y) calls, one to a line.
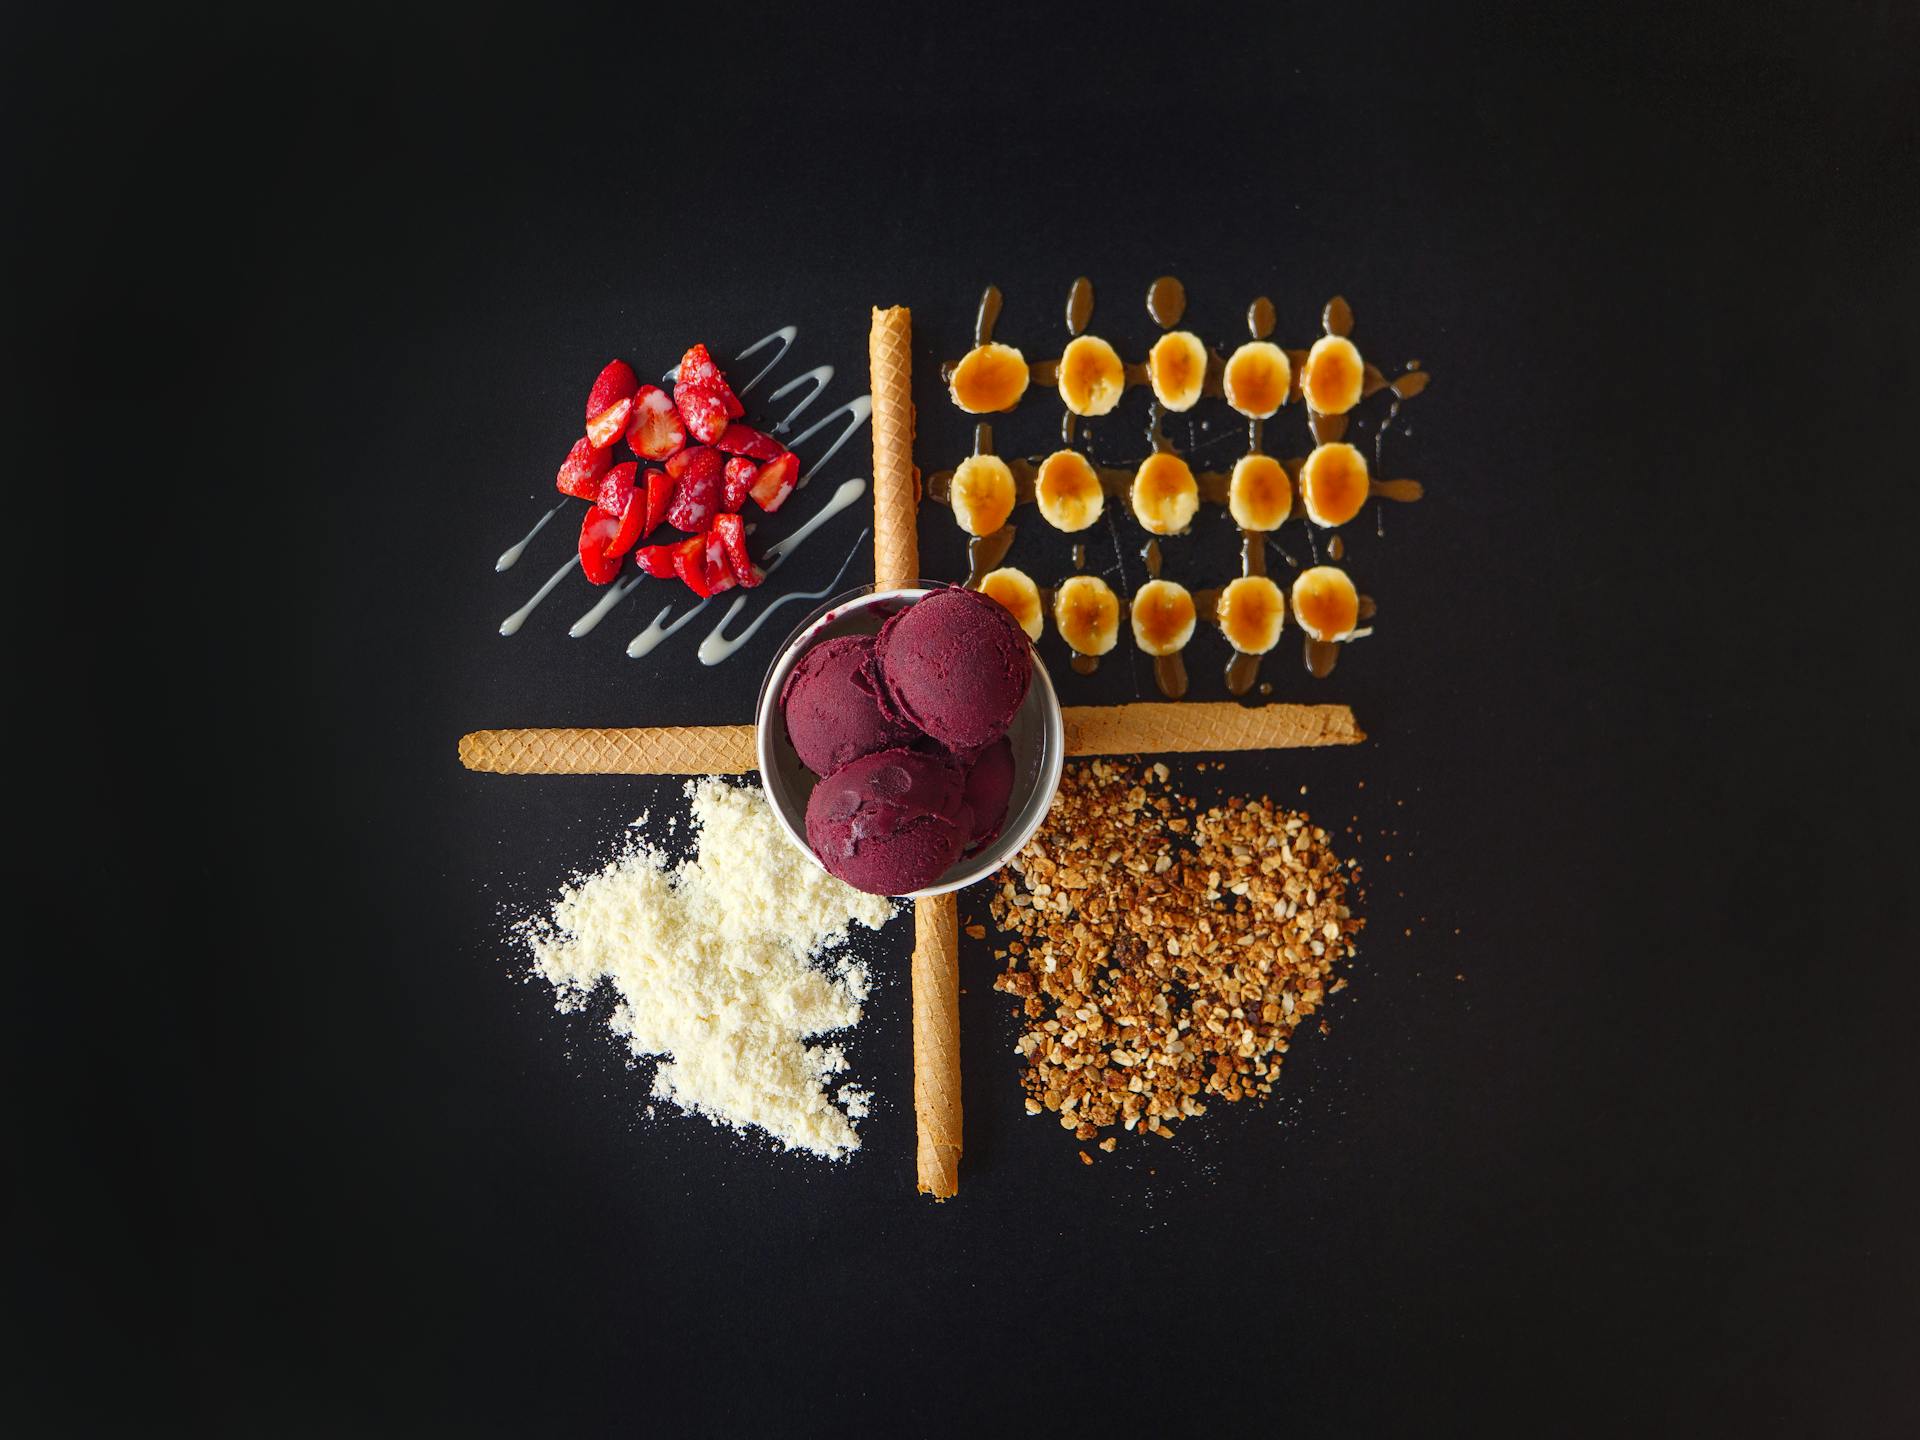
point(890, 822)
point(832, 712)
point(956, 665)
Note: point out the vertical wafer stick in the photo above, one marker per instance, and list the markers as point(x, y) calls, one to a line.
point(936, 921)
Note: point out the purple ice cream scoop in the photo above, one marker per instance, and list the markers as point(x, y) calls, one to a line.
point(956, 665)
point(989, 786)
point(891, 822)
point(833, 715)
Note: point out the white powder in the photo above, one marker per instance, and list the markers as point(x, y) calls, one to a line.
point(714, 965)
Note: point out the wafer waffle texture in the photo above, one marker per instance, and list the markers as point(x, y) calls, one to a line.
point(896, 487)
point(936, 1045)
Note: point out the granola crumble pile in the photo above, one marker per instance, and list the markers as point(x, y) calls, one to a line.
point(1164, 954)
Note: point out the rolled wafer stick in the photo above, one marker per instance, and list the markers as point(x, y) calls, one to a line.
point(1154, 727)
point(666, 750)
point(936, 1045)
point(936, 926)
point(896, 487)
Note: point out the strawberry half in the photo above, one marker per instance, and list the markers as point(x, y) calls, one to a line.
point(609, 402)
point(654, 428)
point(620, 497)
point(698, 478)
point(698, 370)
point(719, 571)
point(656, 560)
point(776, 481)
point(703, 410)
point(690, 564)
point(737, 483)
point(659, 498)
point(597, 532)
point(580, 472)
point(745, 440)
point(729, 535)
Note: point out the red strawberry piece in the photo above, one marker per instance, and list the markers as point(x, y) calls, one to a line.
point(703, 409)
point(698, 475)
point(690, 564)
point(597, 532)
point(610, 424)
point(615, 494)
point(729, 534)
point(609, 403)
point(719, 571)
point(615, 383)
point(654, 428)
point(580, 472)
point(745, 440)
point(737, 484)
point(656, 560)
point(659, 498)
point(776, 481)
point(698, 370)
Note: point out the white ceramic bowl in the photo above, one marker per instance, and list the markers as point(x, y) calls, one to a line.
point(1038, 736)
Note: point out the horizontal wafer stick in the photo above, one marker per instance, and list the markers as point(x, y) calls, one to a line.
point(1144, 729)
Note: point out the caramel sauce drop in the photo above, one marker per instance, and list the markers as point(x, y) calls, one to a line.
point(1260, 318)
point(987, 316)
point(1410, 384)
point(1150, 557)
point(1338, 316)
point(1167, 301)
point(985, 552)
point(1079, 305)
point(1170, 674)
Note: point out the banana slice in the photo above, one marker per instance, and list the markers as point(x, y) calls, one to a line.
point(1088, 614)
point(1332, 377)
point(1257, 378)
point(1165, 497)
point(1258, 495)
point(982, 493)
point(989, 378)
point(1333, 484)
point(1092, 379)
point(1163, 617)
point(1068, 491)
point(1252, 613)
point(1015, 590)
point(1177, 367)
point(1325, 604)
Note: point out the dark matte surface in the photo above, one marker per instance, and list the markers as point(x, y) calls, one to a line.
point(1613, 1127)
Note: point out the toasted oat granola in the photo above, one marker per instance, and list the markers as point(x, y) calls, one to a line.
point(1163, 955)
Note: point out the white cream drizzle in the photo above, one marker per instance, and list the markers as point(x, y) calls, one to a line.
point(857, 410)
point(511, 555)
point(719, 646)
point(821, 376)
point(613, 595)
point(647, 639)
point(511, 625)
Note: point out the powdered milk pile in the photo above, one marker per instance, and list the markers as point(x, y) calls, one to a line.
point(724, 967)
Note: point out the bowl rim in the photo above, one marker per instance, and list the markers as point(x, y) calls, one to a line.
point(1052, 758)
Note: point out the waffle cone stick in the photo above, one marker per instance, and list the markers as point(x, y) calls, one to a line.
point(936, 1045)
point(667, 750)
point(1154, 727)
point(936, 925)
point(896, 487)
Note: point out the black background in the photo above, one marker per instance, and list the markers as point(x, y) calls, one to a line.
point(1614, 1126)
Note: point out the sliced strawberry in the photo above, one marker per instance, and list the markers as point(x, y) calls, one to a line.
point(776, 481)
point(729, 534)
point(690, 564)
point(580, 472)
point(698, 371)
point(610, 424)
point(609, 403)
point(719, 571)
point(597, 532)
point(737, 484)
point(698, 475)
point(616, 491)
point(745, 440)
point(615, 383)
point(621, 498)
point(703, 410)
point(659, 498)
point(654, 428)
point(657, 560)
